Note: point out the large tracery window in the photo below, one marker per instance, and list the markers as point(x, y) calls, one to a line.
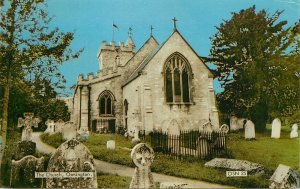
point(106, 104)
point(177, 79)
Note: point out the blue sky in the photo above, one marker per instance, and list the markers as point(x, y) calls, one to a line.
point(91, 20)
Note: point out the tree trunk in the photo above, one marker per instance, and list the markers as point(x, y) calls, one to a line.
point(260, 116)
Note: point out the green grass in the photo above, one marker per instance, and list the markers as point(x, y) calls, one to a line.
point(112, 181)
point(53, 140)
point(264, 150)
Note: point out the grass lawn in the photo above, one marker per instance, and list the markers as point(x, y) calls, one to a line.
point(112, 181)
point(263, 150)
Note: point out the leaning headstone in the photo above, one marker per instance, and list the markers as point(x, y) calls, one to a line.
point(111, 144)
point(142, 156)
point(224, 128)
point(284, 177)
point(23, 148)
point(27, 123)
point(249, 130)
point(276, 128)
point(236, 165)
point(294, 132)
point(24, 170)
point(72, 156)
point(69, 131)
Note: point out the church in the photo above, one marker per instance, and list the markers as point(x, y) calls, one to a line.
point(163, 87)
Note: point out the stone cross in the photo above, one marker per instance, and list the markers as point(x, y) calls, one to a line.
point(142, 156)
point(276, 128)
point(249, 130)
point(294, 132)
point(27, 123)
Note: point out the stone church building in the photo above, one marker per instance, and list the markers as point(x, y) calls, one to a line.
point(158, 87)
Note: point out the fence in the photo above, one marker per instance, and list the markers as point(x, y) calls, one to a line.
point(198, 144)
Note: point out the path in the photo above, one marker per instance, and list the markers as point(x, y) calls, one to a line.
point(105, 167)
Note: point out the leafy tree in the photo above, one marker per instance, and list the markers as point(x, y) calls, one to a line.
point(257, 59)
point(29, 49)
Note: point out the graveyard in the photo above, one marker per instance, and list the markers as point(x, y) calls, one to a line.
point(263, 150)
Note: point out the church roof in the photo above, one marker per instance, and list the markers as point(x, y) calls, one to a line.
point(137, 71)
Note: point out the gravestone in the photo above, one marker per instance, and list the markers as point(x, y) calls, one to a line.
point(72, 156)
point(174, 127)
point(294, 132)
point(27, 123)
point(83, 134)
point(142, 156)
point(69, 131)
point(24, 170)
point(111, 144)
point(284, 177)
point(224, 128)
point(236, 123)
point(276, 128)
point(249, 130)
point(136, 138)
point(59, 125)
point(50, 127)
point(23, 148)
point(236, 165)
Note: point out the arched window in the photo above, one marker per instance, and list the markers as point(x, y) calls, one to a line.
point(106, 107)
point(177, 74)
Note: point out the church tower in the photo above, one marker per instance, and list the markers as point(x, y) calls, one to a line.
point(111, 56)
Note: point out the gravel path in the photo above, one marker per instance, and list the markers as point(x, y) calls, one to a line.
point(105, 167)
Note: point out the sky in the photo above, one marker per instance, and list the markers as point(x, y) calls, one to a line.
point(91, 21)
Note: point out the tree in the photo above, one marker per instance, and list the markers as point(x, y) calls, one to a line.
point(29, 48)
point(257, 60)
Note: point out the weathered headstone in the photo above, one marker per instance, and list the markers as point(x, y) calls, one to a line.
point(50, 127)
point(236, 123)
point(224, 128)
point(276, 128)
point(27, 123)
point(249, 130)
point(23, 148)
point(59, 125)
point(111, 144)
point(236, 165)
point(142, 156)
point(294, 132)
point(72, 156)
point(83, 134)
point(136, 138)
point(69, 131)
point(24, 170)
point(174, 127)
point(284, 177)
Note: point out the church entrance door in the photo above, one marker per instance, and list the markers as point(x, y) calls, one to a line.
point(112, 126)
